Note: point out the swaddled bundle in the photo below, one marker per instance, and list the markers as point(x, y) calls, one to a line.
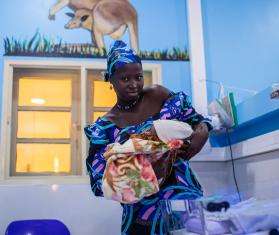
point(129, 175)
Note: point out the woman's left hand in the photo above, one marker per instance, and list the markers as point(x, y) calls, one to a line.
point(196, 141)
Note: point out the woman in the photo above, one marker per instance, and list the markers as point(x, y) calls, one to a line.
point(134, 112)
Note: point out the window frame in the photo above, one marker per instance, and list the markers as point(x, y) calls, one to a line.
point(6, 123)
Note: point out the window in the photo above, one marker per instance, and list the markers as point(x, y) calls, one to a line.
point(46, 105)
point(100, 97)
point(46, 121)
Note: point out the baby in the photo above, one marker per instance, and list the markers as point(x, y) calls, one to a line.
point(168, 130)
point(130, 174)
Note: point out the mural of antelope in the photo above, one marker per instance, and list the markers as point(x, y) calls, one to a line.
point(105, 17)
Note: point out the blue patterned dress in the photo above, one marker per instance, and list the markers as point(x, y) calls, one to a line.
point(144, 217)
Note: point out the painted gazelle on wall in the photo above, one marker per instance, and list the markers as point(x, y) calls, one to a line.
point(101, 17)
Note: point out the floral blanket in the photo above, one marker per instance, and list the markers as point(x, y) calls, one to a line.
point(129, 175)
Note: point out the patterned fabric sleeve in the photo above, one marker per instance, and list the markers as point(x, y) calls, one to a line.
point(95, 161)
point(179, 107)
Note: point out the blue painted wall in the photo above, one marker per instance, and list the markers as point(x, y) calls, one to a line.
point(162, 25)
point(241, 44)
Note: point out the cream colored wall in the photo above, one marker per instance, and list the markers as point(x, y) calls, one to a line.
point(257, 176)
point(73, 204)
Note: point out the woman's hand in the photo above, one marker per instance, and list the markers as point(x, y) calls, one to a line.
point(162, 165)
point(196, 142)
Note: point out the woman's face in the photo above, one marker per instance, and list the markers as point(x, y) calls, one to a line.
point(128, 81)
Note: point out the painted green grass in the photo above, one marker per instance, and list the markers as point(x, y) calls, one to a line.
point(40, 45)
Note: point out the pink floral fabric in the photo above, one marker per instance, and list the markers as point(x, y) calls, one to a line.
point(129, 175)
